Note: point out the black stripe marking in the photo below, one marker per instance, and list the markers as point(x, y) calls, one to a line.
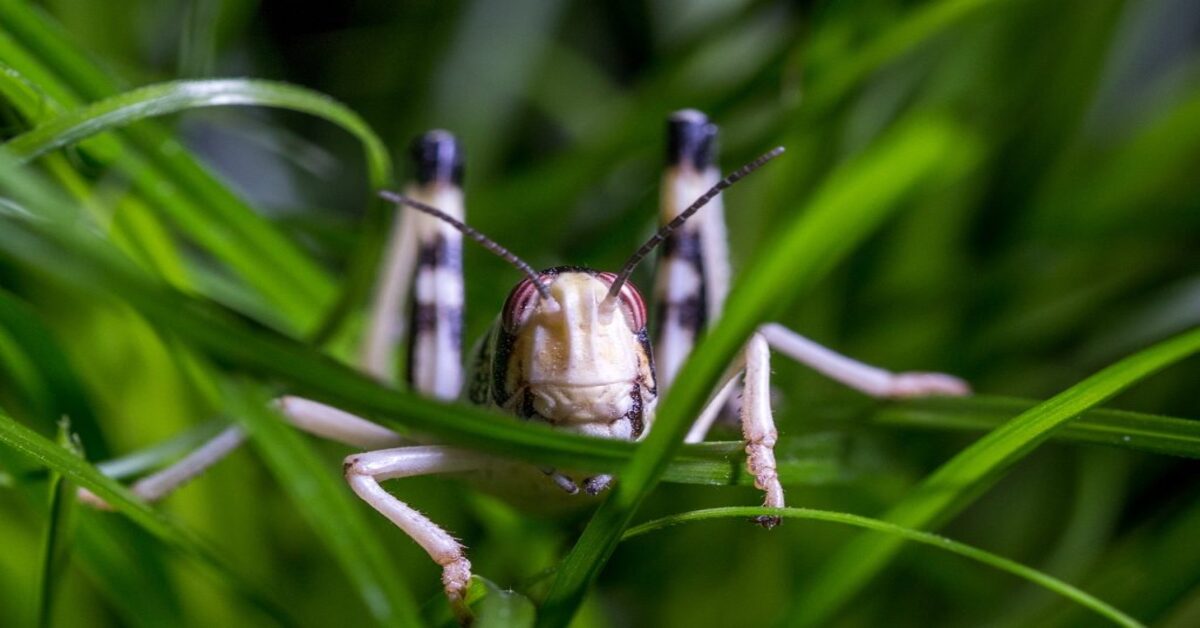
point(425, 317)
point(690, 312)
point(439, 253)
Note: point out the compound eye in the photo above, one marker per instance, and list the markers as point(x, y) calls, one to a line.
point(631, 302)
point(519, 305)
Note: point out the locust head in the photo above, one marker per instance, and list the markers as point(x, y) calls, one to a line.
point(579, 356)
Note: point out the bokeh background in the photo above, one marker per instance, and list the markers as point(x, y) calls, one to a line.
point(1061, 233)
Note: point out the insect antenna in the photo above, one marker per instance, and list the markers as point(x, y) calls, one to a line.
point(470, 232)
point(615, 290)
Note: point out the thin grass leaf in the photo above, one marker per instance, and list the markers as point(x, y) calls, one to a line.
point(329, 508)
point(56, 540)
point(916, 28)
point(129, 567)
point(176, 96)
point(45, 452)
point(161, 454)
point(1039, 578)
point(1127, 430)
point(957, 483)
point(170, 179)
point(853, 203)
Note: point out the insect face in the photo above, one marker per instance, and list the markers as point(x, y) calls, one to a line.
point(579, 364)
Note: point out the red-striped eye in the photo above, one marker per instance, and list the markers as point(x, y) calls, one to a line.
point(631, 302)
point(520, 303)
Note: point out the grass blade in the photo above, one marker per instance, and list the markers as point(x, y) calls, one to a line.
point(164, 172)
point(176, 96)
point(900, 532)
point(1128, 430)
point(853, 203)
point(958, 482)
point(57, 536)
point(77, 471)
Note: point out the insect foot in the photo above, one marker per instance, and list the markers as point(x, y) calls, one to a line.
point(456, 575)
point(597, 484)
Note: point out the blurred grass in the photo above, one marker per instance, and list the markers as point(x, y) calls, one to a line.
point(1057, 235)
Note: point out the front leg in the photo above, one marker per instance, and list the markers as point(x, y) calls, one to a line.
point(758, 426)
point(364, 472)
point(758, 422)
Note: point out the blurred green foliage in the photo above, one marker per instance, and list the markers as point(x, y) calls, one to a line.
point(1058, 233)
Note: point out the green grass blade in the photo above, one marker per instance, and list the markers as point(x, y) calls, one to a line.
point(853, 202)
point(1128, 430)
point(900, 532)
point(56, 538)
point(77, 471)
point(330, 509)
point(165, 173)
point(958, 482)
point(176, 96)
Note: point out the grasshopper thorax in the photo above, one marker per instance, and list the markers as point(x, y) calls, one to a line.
point(573, 362)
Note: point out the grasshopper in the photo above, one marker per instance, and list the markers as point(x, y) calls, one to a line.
point(571, 347)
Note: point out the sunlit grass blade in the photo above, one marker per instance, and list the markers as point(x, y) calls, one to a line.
point(959, 481)
point(176, 96)
point(169, 178)
point(329, 508)
point(900, 532)
point(852, 203)
point(77, 471)
point(1127, 430)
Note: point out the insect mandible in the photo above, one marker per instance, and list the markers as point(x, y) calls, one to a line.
point(571, 347)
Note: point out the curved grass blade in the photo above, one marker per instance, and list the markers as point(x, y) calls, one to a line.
point(166, 175)
point(898, 531)
point(1127, 430)
point(77, 471)
point(176, 96)
point(959, 481)
point(173, 97)
point(328, 507)
point(851, 205)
